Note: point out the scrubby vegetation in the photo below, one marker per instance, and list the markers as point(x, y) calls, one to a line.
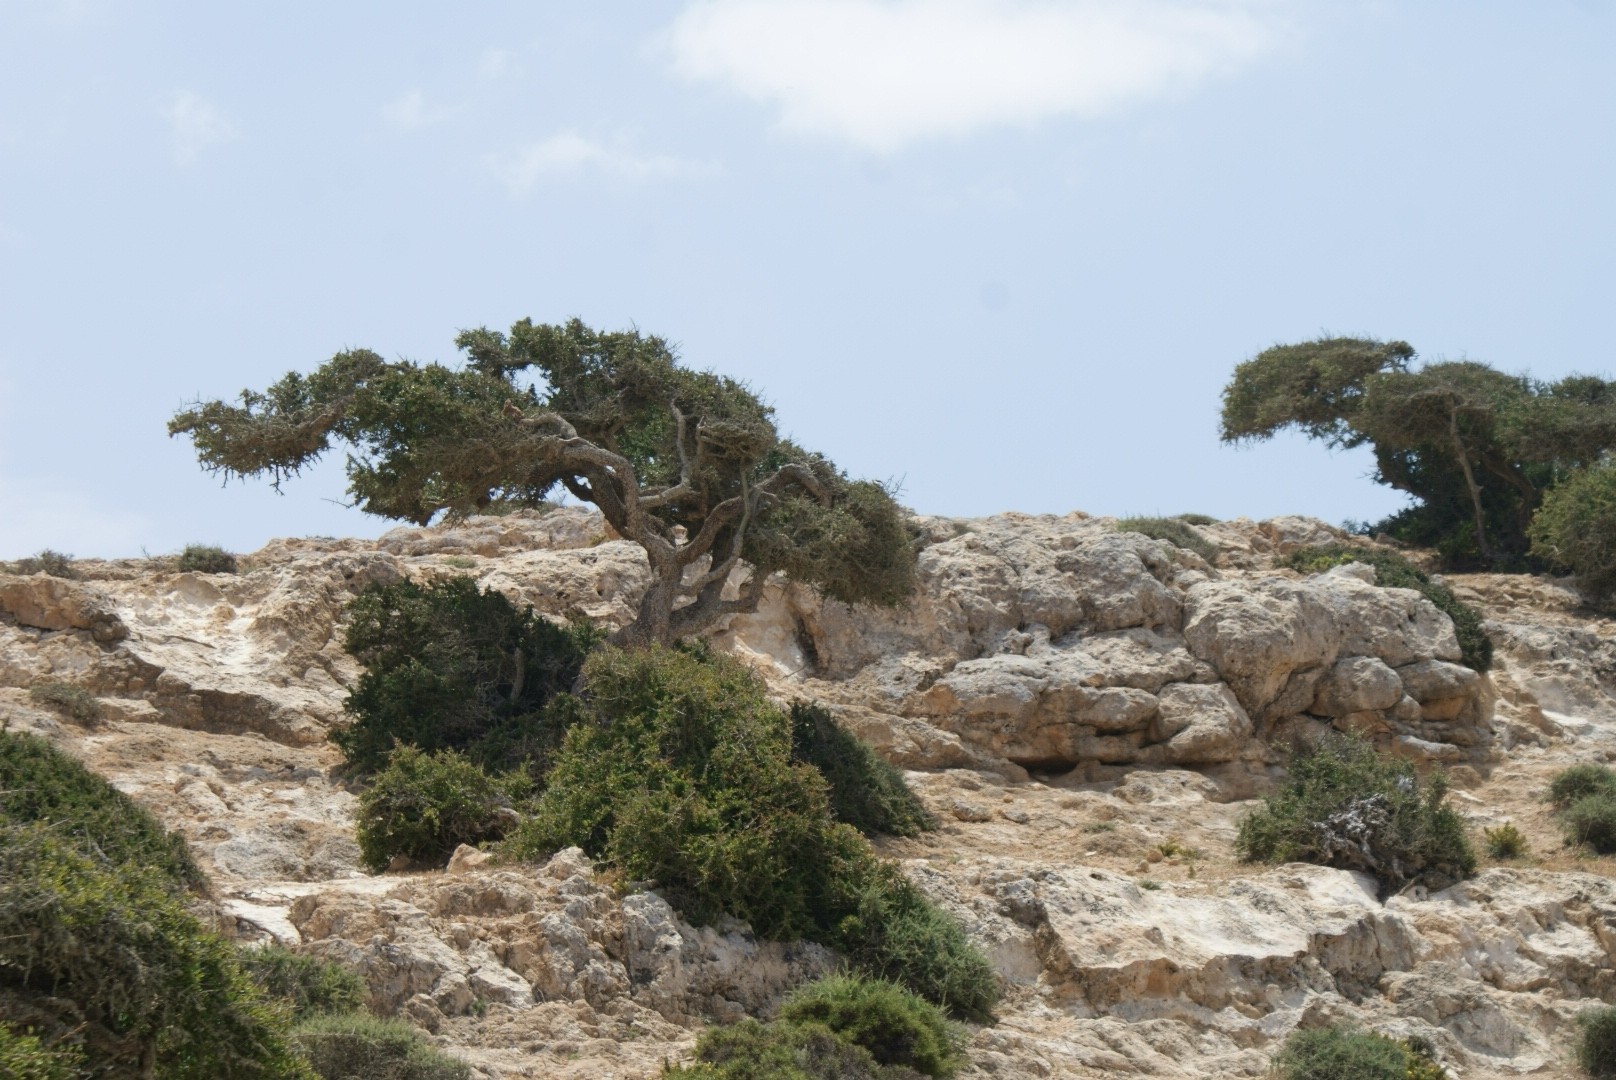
point(69, 699)
point(1392, 571)
point(46, 561)
point(449, 666)
point(1175, 530)
point(679, 771)
point(1505, 841)
point(1342, 1052)
point(1579, 782)
point(839, 1028)
point(1584, 797)
point(206, 559)
point(1575, 528)
point(357, 1046)
point(24, 1057)
point(865, 791)
point(307, 985)
point(1344, 805)
point(422, 806)
point(1596, 1043)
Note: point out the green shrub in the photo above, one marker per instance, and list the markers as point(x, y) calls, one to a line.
point(73, 701)
point(307, 984)
point(1343, 1052)
point(422, 806)
point(1346, 806)
point(110, 958)
point(1198, 519)
point(1395, 572)
point(451, 667)
point(24, 1057)
point(207, 559)
point(1580, 781)
point(678, 771)
point(41, 783)
point(1575, 528)
point(1596, 1046)
point(358, 1046)
point(1505, 842)
point(893, 1025)
point(753, 1051)
point(1591, 820)
point(865, 791)
point(47, 561)
point(1175, 530)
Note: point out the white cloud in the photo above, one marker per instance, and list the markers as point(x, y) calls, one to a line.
point(195, 124)
point(410, 111)
point(886, 73)
point(569, 153)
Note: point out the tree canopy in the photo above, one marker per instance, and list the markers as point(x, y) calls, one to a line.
point(1475, 446)
point(688, 464)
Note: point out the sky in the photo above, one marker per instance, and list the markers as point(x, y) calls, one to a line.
point(1004, 253)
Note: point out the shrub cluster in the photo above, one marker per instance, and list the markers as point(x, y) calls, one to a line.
point(358, 1046)
point(1505, 841)
point(1584, 797)
point(680, 772)
point(307, 985)
point(449, 666)
point(422, 806)
point(1342, 1052)
point(47, 561)
point(1346, 806)
point(207, 559)
point(866, 792)
point(1596, 1046)
point(71, 700)
point(1575, 528)
point(1392, 571)
point(839, 1028)
point(24, 1057)
point(1175, 530)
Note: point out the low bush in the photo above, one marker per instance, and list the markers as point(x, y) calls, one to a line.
point(1575, 528)
point(893, 1025)
point(753, 1051)
point(1392, 571)
point(358, 1046)
point(678, 771)
point(1580, 781)
point(1342, 1052)
point(109, 959)
point(1591, 820)
point(70, 700)
point(308, 985)
point(1346, 806)
point(1596, 1044)
point(1505, 841)
point(865, 791)
point(1175, 530)
point(47, 561)
point(449, 666)
point(207, 559)
point(39, 783)
point(24, 1057)
point(422, 806)
point(1198, 519)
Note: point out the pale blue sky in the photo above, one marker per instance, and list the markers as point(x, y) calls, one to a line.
point(1007, 252)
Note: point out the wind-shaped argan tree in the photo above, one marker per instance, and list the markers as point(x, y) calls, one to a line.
point(687, 464)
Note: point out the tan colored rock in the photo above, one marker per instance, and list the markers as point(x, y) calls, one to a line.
point(52, 603)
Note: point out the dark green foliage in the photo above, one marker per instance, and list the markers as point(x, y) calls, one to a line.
point(1346, 806)
point(24, 1057)
point(449, 666)
point(1591, 820)
point(615, 420)
point(893, 1025)
point(781, 1051)
point(1580, 781)
point(678, 771)
point(1198, 519)
point(1505, 841)
point(70, 700)
point(308, 985)
point(1174, 530)
point(1475, 447)
point(47, 561)
point(422, 806)
point(865, 791)
point(1575, 528)
point(358, 1046)
point(109, 959)
point(1596, 1045)
point(1342, 1052)
point(1392, 571)
point(207, 559)
point(41, 783)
